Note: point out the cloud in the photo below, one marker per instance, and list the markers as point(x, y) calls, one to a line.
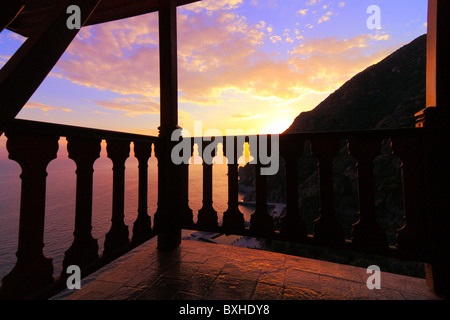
point(4, 59)
point(335, 45)
point(303, 12)
point(275, 39)
point(312, 2)
point(214, 5)
point(327, 63)
point(245, 116)
point(219, 52)
point(44, 107)
point(325, 17)
point(131, 106)
point(381, 37)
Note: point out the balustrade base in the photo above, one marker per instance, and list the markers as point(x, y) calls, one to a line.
point(187, 218)
point(369, 235)
point(26, 279)
point(328, 230)
point(81, 253)
point(116, 238)
point(293, 228)
point(207, 219)
point(233, 221)
point(142, 228)
point(261, 224)
point(169, 240)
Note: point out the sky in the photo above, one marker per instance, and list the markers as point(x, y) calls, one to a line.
point(249, 65)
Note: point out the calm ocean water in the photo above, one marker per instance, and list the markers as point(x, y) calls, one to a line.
point(60, 201)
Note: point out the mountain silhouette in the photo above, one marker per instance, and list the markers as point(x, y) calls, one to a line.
point(385, 95)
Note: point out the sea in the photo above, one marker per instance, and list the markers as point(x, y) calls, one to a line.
point(60, 201)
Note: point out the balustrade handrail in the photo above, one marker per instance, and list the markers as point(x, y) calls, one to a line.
point(63, 130)
point(340, 134)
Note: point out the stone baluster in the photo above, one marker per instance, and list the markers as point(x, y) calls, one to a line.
point(32, 271)
point(261, 223)
point(366, 232)
point(326, 227)
point(207, 216)
point(412, 236)
point(292, 226)
point(84, 249)
point(186, 214)
point(118, 151)
point(233, 219)
point(142, 227)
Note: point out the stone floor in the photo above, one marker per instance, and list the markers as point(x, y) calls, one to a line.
point(206, 271)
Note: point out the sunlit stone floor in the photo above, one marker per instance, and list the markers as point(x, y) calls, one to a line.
point(207, 271)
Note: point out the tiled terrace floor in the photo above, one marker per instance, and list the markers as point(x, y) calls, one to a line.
point(199, 270)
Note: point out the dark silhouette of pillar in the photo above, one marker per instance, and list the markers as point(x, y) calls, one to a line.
point(207, 216)
point(33, 271)
point(261, 222)
point(84, 249)
point(167, 222)
point(435, 119)
point(292, 226)
point(366, 232)
point(233, 219)
point(411, 237)
point(142, 227)
point(326, 227)
point(118, 151)
point(186, 214)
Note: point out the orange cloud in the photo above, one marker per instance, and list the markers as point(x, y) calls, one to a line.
point(44, 107)
point(246, 116)
point(212, 5)
point(218, 53)
point(131, 106)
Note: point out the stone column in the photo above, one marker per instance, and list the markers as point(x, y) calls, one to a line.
point(84, 249)
point(142, 227)
point(118, 151)
point(33, 271)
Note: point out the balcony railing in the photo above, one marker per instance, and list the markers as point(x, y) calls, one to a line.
point(367, 235)
point(34, 144)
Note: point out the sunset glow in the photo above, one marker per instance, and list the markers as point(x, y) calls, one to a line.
point(242, 64)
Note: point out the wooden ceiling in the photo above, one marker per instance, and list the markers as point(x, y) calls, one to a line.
point(37, 11)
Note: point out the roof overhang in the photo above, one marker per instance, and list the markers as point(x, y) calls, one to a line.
point(36, 12)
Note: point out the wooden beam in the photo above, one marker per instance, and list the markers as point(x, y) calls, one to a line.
point(435, 118)
point(168, 65)
point(168, 218)
point(9, 11)
point(438, 53)
point(37, 12)
point(28, 67)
